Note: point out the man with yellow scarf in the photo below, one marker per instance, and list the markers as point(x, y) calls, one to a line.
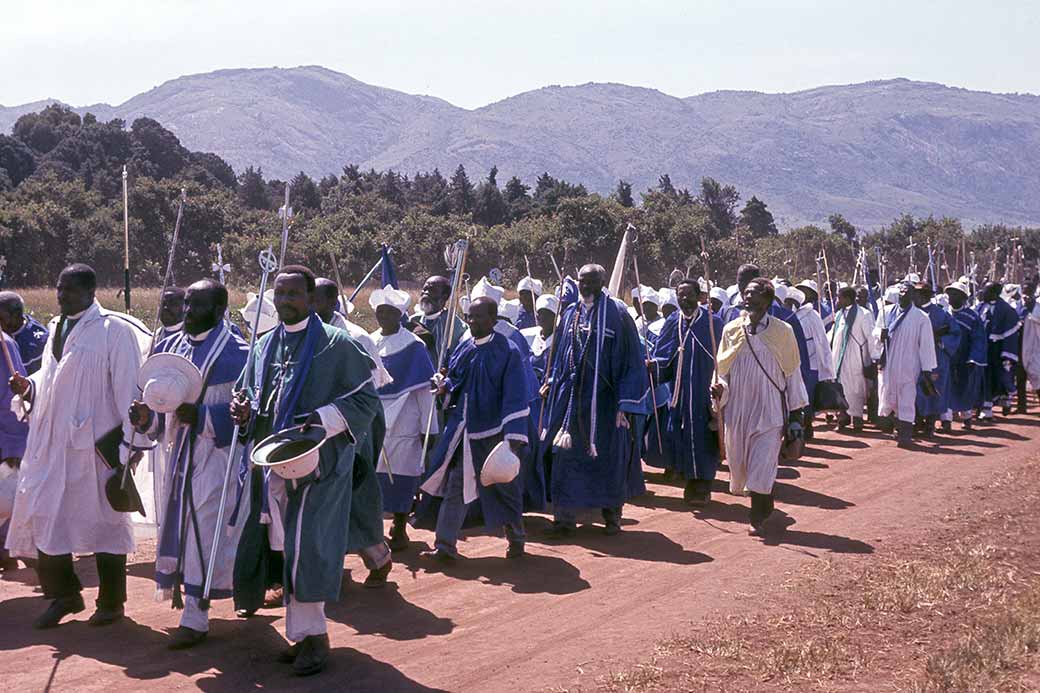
point(760, 393)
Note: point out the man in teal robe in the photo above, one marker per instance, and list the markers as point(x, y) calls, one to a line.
point(307, 373)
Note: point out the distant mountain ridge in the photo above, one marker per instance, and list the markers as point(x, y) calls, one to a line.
point(869, 151)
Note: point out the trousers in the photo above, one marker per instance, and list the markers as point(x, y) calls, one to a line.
point(59, 580)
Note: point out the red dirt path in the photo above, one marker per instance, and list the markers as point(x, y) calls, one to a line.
point(489, 624)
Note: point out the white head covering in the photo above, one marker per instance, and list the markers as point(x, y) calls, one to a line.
point(268, 314)
point(732, 292)
point(796, 295)
point(509, 310)
point(892, 294)
point(780, 291)
point(808, 284)
point(719, 293)
point(547, 302)
point(167, 381)
point(389, 296)
point(486, 288)
point(530, 284)
point(668, 297)
point(646, 294)
point(960, 285)
point(913, 278)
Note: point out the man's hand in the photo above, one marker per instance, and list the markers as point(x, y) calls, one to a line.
point(543, 391)
point(437, 385)
point(622, 420)
point(187, 413)
point(313, 419)
point(884, 334)
point(716, 390)
point(240, 410)
point(13, 462)
point(935, 376)
point(19, 384)
point(139, 414)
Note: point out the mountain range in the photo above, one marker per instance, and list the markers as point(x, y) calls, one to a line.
point(869, 151)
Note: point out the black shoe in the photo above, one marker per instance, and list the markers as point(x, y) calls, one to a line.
point(857, 424)
point(947, 426)
point(612, 529)
point(183, 638)
point(967, 424)
point(515, 550)
point(399, 540)
point(558, 530)
point(439, 555)
point(312, 656)
point(245, 613)
point(105, 617)
point(288, 655)
point(758, 528)
point(59, 609)
point(377, 578)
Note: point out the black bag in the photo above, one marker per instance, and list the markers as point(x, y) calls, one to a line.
point(830, 396)
point(122, 500)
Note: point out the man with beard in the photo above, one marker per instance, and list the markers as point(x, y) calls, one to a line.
point(432, 315)
point(486, 405)
point(307, 373)
point(1031, 338)
point(683, 360)
point(760, 392)
point(904, 332)
point(853, 350)
point(1002, 325)
point(80, 394)
point(932, 402)
point(198, 435)
point(968, 361)
point(596, 408)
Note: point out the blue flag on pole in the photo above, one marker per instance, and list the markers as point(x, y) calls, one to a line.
point(389, 274)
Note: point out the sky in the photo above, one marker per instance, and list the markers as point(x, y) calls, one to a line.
point(475, 53)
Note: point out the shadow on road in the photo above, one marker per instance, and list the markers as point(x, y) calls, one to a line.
point(531, 574)
point(386, 612)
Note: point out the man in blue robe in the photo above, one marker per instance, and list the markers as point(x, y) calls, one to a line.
point(528, 290)
point(171, 313)
point(934, 400)
point(683, 359)
point(968, 361)
point(432, 315)
point(28, 334)
point(596, 408)
point(1002, 325)
point(308, 373)
point(486, 403)
point(198, 435)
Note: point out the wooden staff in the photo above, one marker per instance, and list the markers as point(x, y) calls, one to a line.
point(552, 346)
point(720, 425)
point(646, 345)
point(126, 244)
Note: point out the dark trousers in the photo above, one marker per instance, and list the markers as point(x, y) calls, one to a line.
point(59, 580)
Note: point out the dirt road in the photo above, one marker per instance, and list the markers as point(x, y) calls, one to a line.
point(489, 624)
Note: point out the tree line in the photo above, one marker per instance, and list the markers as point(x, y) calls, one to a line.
point(61, 201)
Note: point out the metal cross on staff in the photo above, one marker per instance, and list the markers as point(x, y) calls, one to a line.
point(220, 267)
point(911, 267)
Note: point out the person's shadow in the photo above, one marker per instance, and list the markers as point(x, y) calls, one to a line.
point(632, 544)
point(781, 534)
point(386, 612)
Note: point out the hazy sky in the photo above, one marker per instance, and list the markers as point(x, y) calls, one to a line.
point(474, 53)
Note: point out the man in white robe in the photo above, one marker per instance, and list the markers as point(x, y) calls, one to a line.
point(904, 333)
point(1031, 338)
point(760, 393)
point(407, 407)
point(853, 349)
point(198, 437)
point(80, 394)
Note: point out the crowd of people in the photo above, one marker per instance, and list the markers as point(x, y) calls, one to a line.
point(272, 462)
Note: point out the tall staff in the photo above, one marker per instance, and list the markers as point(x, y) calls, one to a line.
point(267, 266)
point(167, 278)
point(286, 213)
point(126, 244)
point(720, 425)
point(552, 345)
point(646, 344)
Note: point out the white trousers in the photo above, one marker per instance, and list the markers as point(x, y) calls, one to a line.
point(898, 398)
point(193, 617)
point(303, 619)
point(752, 459)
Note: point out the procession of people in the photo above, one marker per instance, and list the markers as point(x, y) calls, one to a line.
point(281, 446)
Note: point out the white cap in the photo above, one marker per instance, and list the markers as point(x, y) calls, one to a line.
point(720, 294)
point(509, 310)
point(646, 294)
point(960, 285)
point(484, 288)
point(168, 381)
point(547, 302)
point(268, 314)
point(389, 296)
point(530, 284)
point(892, 294)
point(796, 295)
point(668, 297)
point(913, 278)
point(780, 291)
point(501, 466)
point(808, 284)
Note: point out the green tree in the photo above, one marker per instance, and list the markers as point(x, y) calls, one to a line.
point(304, 195)
point(460, 192)
point(517, 199)
point(843, 226)
point(489, 207)
point(721, 203)
point(623, 194)
point(16, 159)
point(252, 190)
point(757, 219)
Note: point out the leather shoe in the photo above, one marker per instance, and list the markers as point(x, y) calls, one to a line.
point(399, 540)
point(559, 530)
point(183, 637)
point(59, 609)
point(377, 578)
point(274, 597)
point(288, 655)
point(515, 550)
point(313, 655)
point(439, 555)
point(612, 529)
point(105, 617)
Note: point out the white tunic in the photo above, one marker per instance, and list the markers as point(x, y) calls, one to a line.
point(406, 414)
point(860, 349)
point(1031, 347)
point(816, 342)
point(534, 338)
point(61, 505)
point(910, 351)
point(754, 417)
point(379, 375)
